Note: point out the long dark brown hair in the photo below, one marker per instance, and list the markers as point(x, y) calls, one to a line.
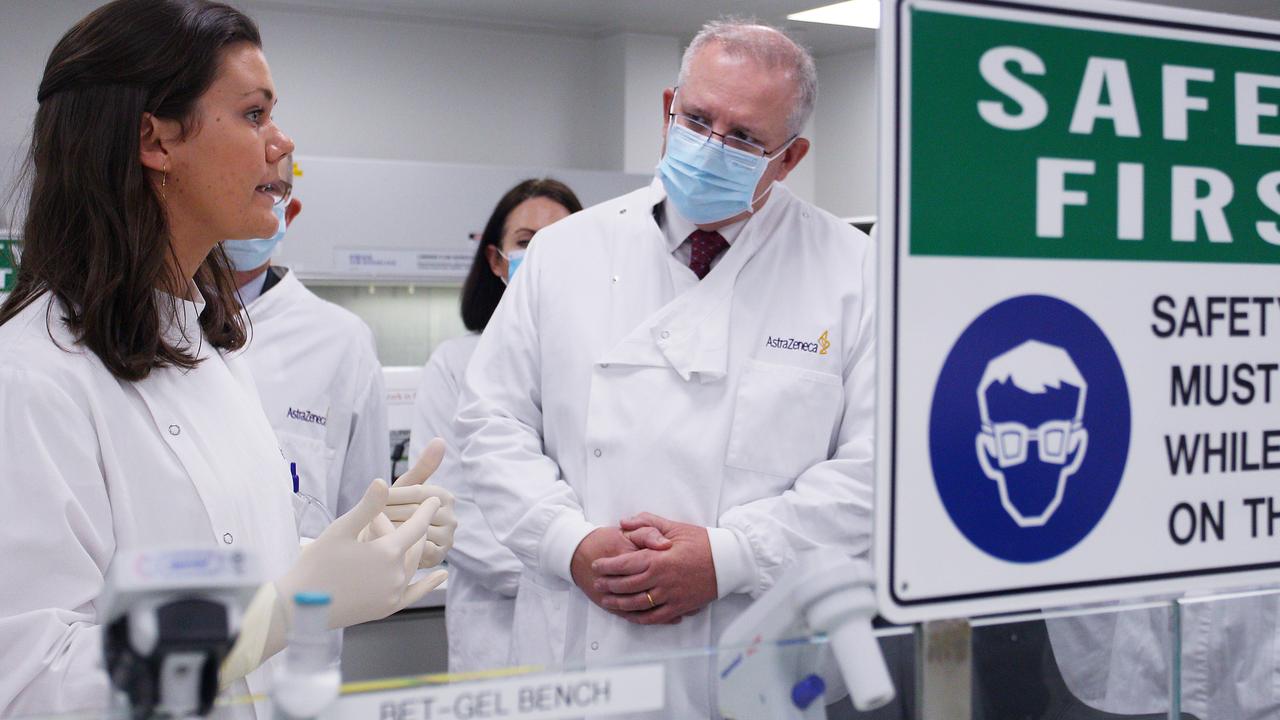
point(482, 289)
point(94, 234)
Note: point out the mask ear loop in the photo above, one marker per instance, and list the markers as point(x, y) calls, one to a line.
point(505, 280)
point(776, 154)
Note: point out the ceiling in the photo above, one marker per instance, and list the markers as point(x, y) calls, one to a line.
point(596, 18)
point(599, 18)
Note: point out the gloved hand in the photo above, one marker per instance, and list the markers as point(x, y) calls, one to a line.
point(365, 579)
point(361, 560)
point(411, 490)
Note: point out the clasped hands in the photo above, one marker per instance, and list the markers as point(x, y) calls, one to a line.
point(649, 570)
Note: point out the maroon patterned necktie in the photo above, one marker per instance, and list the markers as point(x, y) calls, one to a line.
point(707, 246)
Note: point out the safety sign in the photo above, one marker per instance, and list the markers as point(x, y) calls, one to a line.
point(8, 270)
point(1079, 229)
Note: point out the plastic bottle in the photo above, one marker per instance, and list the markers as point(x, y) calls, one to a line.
point(309, 678)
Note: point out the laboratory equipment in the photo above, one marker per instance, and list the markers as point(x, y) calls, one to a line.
point(171, 617)
point(763, 676)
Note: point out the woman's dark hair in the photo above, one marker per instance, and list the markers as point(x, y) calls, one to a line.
point(95, 234)
point(482, 289)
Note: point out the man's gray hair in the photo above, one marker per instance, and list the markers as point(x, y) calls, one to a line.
point(770, 47)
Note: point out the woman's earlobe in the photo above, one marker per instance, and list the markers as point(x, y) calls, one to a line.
point(151, 150)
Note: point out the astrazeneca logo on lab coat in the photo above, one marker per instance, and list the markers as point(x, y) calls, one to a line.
point(307, 416)
point(1029, 428)
point(820, 347)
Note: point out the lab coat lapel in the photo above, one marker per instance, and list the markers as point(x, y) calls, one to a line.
point(691, 332)
point(640, 263)
point(174, 420)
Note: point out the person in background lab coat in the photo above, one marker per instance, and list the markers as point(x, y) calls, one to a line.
point(1117, 660)
point(483, 572)
point(675, 396)
point(128, 421)
point(318, 374)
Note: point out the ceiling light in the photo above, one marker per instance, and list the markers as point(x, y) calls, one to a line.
point(854, 13)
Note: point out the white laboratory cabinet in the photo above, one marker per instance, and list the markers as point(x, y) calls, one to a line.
point(406, 222)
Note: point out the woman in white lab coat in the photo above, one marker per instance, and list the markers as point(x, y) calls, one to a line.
point(483, 573)
point(127, 421)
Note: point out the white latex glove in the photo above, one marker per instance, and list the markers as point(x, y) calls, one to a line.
point(258, 639)
point(365, 580)
point(411, 490)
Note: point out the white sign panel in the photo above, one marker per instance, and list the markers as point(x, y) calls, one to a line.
point(425, 264)
point(1080, 231)
point(602, 693)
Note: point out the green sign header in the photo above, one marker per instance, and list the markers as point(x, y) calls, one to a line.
point(1035, 141)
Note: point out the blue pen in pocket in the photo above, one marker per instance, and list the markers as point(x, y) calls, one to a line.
point(309, 512)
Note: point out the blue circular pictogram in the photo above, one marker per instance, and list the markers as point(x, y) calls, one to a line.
point(1029, 428)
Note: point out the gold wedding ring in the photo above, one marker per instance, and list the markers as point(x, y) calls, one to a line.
point(652, 604)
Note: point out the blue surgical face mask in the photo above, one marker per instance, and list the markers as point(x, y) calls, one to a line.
point(707, 181)
point(249, 255)
point(513, 263)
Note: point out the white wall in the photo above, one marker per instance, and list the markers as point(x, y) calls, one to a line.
point(651, 64)
point(358, 85)
point(404, 89)
point(417, 91)
point(395, 89)
point(28, 32)
point(400, 89)
point(407, 325)
point(845, 128)
point(803, 180)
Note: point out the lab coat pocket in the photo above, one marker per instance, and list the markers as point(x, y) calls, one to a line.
point(309, 461)
point(540, 621)
point(783, 418)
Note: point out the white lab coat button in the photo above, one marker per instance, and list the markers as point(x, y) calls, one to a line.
point(615, 278)
point(595, 646)
point(598, 453)
point(604, 365)
point(666, 334)
point(623, 211)
point(227, 538)
point(174, 430)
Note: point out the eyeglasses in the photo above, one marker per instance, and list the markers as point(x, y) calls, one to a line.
point(732, 142)
point(281, 191)
point(1052, 441)
point(282, 188)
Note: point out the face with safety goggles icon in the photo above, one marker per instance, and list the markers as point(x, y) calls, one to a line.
point(1032, 439)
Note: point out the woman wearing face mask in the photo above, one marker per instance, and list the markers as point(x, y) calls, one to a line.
point(130, 424)
point(483, 573)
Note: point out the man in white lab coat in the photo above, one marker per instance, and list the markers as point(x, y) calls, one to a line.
point(675, 395)
point(318, 374)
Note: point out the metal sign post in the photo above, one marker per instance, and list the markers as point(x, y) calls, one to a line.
point(944, 670)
